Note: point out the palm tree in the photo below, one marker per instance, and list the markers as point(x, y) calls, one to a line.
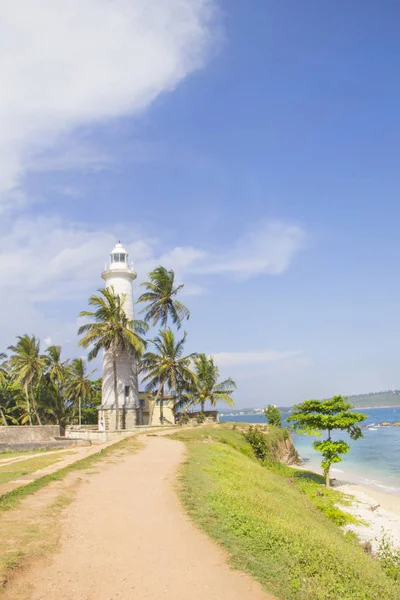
point(207, 387)
point(7, 404)
point(53, 394)
point(3, 369)
point(79, 386)
point(167, 367)
point(110, 329)
point(27, 368)
point(160, 296)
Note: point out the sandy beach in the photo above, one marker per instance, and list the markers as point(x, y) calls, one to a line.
point(379, 510)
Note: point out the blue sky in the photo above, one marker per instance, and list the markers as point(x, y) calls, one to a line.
point(253, 151)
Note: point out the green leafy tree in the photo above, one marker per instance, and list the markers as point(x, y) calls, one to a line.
point(27, 368)
point(273, 415)
point(79, 387)
point(207, 387)
point(314, 416)
point(160, 296)
point(110, 329)
point(167, 368)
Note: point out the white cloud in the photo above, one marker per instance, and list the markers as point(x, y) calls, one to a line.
point(268, 249)
point(260, 357)
point(68, 64)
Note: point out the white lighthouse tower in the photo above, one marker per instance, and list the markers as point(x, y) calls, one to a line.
point(119, 275)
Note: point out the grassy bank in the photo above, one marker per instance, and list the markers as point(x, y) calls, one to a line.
point(275, 522)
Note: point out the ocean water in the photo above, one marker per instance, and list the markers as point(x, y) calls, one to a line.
point(373, 461)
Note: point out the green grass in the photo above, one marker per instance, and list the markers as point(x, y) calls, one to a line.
point(21, 468)
point(4, 455)
point(273, 523)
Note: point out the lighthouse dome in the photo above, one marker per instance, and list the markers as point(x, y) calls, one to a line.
point(119, 254)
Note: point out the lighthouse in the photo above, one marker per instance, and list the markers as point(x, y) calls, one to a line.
point(119, 275)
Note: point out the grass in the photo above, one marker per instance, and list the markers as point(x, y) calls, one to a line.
point(22, 468)
point(274, 523)
point(4, 455)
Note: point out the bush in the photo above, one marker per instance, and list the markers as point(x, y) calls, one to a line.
point(273, 415)
point(258, 441)
point(184, 419)
point(389, 557)
point(200, 418)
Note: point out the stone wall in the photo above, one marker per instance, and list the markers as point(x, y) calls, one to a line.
point(14, 434)
point(208, 416)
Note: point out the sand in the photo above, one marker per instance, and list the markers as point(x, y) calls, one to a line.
point(385, 518)
point(126, 536)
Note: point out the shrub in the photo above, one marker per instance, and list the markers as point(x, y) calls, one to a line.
point(184, 419)
point(200, 418)
point(258, 441)
point(273, 415)
point(389, 557)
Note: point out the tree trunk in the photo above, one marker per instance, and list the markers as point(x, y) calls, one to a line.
point(35, 410)
point(80, 410)
point(327, 479)
point(155, 402)
point(116, 389)
point(28, 406)
point(3, 417)
point(202, 406)
point(162, 406)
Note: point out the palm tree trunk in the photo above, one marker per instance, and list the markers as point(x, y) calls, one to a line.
point(162, 406)
point(80, 410)
point(35, 410)
point(3, 417)
point(115, 389)
point(155, 402)
point(28, 406)
point(202, 406)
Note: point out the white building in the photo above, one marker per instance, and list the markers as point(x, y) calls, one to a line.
point(120, 275)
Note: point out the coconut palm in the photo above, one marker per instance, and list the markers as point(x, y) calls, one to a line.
point(167, 368)
point(160, 295)
point(27, 368)
point(110, 329)
point(79, 386)
point(206, 386)
point(3, 369)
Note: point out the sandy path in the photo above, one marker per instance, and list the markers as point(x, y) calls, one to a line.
point(127, 537)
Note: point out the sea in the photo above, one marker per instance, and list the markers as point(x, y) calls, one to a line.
point(373, 461)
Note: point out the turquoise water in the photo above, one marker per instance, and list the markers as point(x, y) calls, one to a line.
point(373, 461)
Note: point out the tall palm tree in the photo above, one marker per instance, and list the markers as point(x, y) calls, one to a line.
point(110, 329)
point(3, 369)
point(27, 368)
point(167, 367)
point(206, 387)
point(160, 295)
point(79, 386)
point(53, 393)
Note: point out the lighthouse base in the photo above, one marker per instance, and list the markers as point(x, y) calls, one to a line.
point(107, 418)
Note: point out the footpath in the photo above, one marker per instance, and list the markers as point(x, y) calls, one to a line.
point(126, 536)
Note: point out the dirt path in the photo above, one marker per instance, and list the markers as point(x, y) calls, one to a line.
point(127, 537)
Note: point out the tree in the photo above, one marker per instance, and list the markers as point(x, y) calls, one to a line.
point(79, 386)
point(27, 368)
point(53, 388)
point(167, 368)
point(314, 416)
point(160, 295)
point(206, 386)
point(273, 415)
point(110, 329)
